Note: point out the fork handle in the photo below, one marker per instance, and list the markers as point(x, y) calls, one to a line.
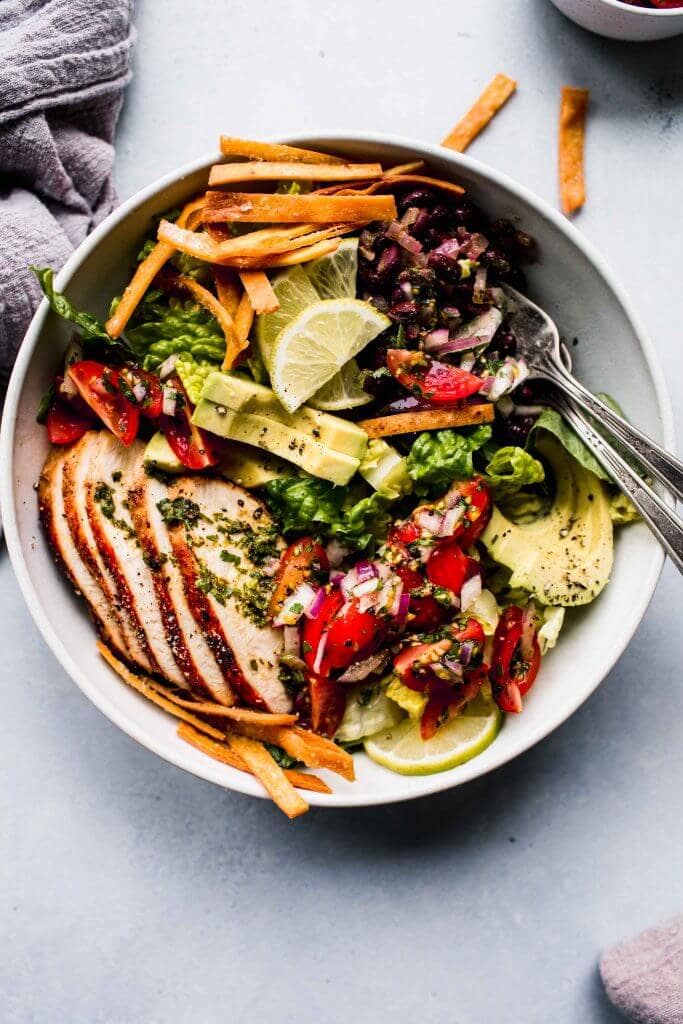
point(661, 464)
point(664, 523)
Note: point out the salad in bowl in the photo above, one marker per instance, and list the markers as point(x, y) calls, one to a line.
point(301, 479)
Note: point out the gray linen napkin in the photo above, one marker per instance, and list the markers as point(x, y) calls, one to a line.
point(63, 67)
point(643, 977)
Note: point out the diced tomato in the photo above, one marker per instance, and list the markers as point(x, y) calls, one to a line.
point(424, 613)
point(442, 707)
point(347, 633)
point(194, 448)
point(412, 663)
point(476, 497)
point(327, 704)
point(65, 424)
point(447, 566)
point(300, 562)
point(98, 386)
point(426, 378)
point(472, 630)
point(151, 404)
point(511, 674)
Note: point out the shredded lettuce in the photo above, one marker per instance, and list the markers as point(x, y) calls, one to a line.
point(553, 620)
point(193, 373)
point(167, 327)
point(367, 711)
point(512, 468)
point(437, 459)
point(303, 503)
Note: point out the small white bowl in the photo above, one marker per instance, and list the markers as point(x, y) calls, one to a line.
point(614, 354)
point(618, 20)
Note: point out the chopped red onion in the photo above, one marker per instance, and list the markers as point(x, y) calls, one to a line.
point(313, 611)
point(467, 361)
point(368, 586)
point(395, 606)
point(429, 520)
point(410, 216)
point(435, 340)
point(453, 666)
point(526, 410)
point(362, 669)
point(505, 406)
point(296, 605)
point(450, 520)
point(403, 608)
point(471, 589)
point(482, 327)
point(366, 571)
point(398, 234)
point(479, 287)
point(271, 567)
point(509, 376)
point(320, 653)
point(336, 578)
point(170, 399)
point(168, 366)
point(475, 245)
point(466, 652)
point(140, 392)
point(336, 552)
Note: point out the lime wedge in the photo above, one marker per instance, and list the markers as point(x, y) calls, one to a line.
point(341, 392)
point(317, 343)
point(294, 292)
point(402, 749)
point(334, 276)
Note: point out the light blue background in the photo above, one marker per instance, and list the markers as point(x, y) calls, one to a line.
point(131, 892)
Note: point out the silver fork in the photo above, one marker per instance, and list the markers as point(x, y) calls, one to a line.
point(538, 342)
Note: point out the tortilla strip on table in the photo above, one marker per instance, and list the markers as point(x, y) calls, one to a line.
point(230, 174)
point(262, 208)
point(146, 272)
point(573, 110)
point(427, 419)
point(496, 93)
point(220, 752)
point(274, 151)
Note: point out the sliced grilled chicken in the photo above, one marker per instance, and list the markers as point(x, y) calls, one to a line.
point(216, 550)
point(111, 476)
point(55, 521)
point(193, 653)
point(78, 470)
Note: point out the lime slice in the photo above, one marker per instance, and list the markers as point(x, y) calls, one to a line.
point(341, 392)
point(317, 343)
point(334, 276)
point(294, 292)
point(402, 749)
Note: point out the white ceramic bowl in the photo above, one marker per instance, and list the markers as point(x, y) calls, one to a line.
point(614, 353)
point(617, 20)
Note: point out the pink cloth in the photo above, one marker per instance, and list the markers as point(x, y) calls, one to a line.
point(643, 977)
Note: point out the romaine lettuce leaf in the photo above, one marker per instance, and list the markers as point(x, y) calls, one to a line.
point(165, 327)
point(512, 468)
point(551, 421)
point(437, 459)
point(89, 326)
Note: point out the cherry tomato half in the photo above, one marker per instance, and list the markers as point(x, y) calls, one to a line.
point(300, 562)
point(327, 704)
point(348, 634)
point(511, 675)
point(98, 386)
point(424, 613)
point(190, 444)
point(65, 424)
point(447, 566)
point(429, 379)
point(477, 500)
point(442, 707)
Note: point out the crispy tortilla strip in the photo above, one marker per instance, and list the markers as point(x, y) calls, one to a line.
point(244, 318)
point(410, 168)
point(227, 289)
point(390, 181)
point(289, 259)
point(259, 289)
point(274, 151)
point(141, 683)
point(573, 110)
point(475, 120)
point(247, 249)
point(315, 751)
point(147, 271)
point(204, 707)
point(219, 751)
point(231, 174)
point(233, 345)
point(269, 774)
point(262, 208)
point(427, 419)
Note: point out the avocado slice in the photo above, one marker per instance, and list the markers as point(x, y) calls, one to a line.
point(278, 439)
point(250, 467)
point(565, 557)
point(160, 455)
point(385, 469)
point(245, 396)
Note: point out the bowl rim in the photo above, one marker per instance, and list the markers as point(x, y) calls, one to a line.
point(619, 5)
point(212, 771)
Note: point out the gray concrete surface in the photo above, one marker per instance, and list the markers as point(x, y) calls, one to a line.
point(131, 892)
